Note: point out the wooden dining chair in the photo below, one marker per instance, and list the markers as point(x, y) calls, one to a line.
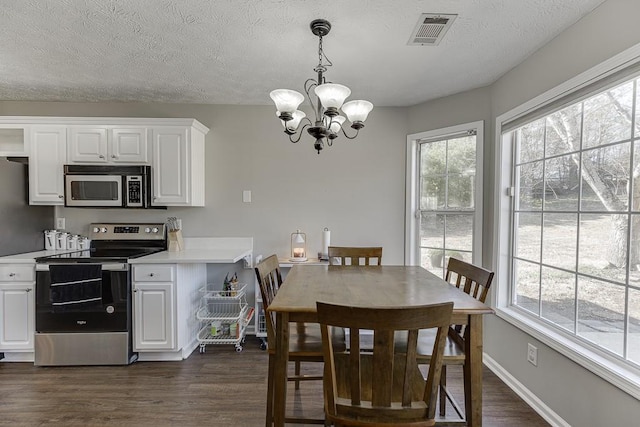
point(305, 342)
point(476, 282)
point(343, 255)
point(383, 387)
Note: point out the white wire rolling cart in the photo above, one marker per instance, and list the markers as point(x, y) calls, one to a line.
point(224, 316)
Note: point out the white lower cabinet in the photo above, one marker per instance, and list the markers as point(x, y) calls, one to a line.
point(17, 307)
point(165, 299)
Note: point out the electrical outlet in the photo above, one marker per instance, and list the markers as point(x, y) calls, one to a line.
point(60, 223)
point(532, 354)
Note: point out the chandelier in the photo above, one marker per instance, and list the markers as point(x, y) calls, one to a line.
point(329, 100)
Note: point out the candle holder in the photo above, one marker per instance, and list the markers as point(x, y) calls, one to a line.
point(298, 246)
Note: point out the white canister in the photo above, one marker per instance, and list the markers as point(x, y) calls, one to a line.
point(84, 242)
point(50, 239)
point(61, 240)
point(72, 241)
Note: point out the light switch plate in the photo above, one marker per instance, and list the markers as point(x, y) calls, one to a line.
point(246, 196)
point(60, 223)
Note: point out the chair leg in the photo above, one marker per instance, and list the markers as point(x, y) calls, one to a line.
point(269, 416)
point(297, 375)
point(442, 391)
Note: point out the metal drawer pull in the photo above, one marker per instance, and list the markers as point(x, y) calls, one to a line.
point(12, 274)
point(28, 290)
point(150, 274)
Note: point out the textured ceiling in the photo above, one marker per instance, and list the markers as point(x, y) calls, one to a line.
point(237, 51)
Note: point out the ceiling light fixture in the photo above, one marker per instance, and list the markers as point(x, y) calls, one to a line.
point(329, 100)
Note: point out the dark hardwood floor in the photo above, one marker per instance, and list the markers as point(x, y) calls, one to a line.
point(217, 388)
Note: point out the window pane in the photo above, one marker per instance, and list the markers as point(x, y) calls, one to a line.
point(531, 143)
point(459, 232)
point(530, 186)
point(597, 245)
point(433, 260)
point(432, 192)
point(527, 286)
point(433, 159)
point(633, 337)
point(563, 131)
point(601, 313)
point(635, 195)
point(528, 236)
point(558, 292)
point(605, 178)
point(561, 184)
point(634, 256)
point(607, 116)
point(559, 240)
point(431, 230)
point(461, 189)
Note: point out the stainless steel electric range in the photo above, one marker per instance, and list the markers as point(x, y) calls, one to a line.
point(83, 298)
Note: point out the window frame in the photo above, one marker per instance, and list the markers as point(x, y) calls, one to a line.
point(621, 374)
point(412, 189)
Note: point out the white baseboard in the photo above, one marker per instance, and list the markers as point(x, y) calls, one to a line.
point(525, 394)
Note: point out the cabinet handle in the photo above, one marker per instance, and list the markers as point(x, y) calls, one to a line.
point(101, 156)
point(150, 274)
point(28, 290)
point(12, 274)
point(113, 156)
point(135, 290)
point(60, 196)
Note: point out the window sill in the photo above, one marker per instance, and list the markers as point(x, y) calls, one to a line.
point(626, 378)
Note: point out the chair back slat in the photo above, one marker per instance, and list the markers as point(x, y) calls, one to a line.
point(269, 280)
point(385, 385)
point(343, 255)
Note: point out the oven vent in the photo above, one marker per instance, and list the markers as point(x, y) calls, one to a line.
point(430, 29)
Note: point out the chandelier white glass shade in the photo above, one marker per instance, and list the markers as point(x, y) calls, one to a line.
point(326, 98)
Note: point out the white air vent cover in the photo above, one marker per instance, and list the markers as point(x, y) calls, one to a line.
point(430, 29)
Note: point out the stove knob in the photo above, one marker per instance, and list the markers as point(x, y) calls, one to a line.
point(96, 230)
point(103, 230)
point(154, 230)
point(147, 230)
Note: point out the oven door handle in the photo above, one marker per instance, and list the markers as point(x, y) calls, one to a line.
point(105, 267)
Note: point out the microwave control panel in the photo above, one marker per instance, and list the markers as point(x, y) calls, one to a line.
point(134, 191)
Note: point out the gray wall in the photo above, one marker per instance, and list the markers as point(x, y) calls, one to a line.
point(21, 225)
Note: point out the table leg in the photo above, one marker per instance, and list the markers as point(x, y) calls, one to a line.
point(473, 371)
point(280, 368)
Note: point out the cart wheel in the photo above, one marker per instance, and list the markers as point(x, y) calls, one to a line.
point(243, 338)
point(202, 349)
point(263, 345)
point(239, 349)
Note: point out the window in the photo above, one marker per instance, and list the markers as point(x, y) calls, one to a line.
point(444, 181)
point(568, 218)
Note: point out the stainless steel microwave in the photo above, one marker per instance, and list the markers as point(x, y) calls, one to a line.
point(107, 186)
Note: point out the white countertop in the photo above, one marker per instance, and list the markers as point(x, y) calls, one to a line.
point(206, 250)
point(29, 257)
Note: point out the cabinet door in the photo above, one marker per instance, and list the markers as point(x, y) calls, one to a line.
point(170, 166)
point(17, 316)
point(87, 145)
point(48, 156)
point(154, 321)
point(129, 146)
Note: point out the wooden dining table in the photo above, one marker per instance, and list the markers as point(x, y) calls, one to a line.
point(374, 286)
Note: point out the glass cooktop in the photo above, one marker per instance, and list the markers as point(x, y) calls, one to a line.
point(100, 255)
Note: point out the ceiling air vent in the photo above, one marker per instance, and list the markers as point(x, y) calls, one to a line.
point(430, 29)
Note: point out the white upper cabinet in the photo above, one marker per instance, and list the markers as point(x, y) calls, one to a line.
point(97, 145)
point(48, 154)
point(178, 166)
